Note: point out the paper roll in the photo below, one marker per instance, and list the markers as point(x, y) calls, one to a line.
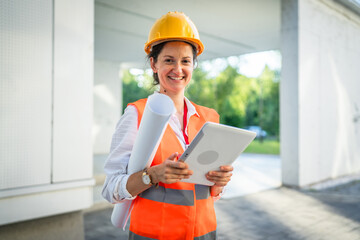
point(158, 110)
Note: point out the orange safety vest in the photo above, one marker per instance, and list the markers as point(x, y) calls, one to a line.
point(179, 210)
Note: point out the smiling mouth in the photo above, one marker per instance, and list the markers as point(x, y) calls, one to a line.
point(176, 78)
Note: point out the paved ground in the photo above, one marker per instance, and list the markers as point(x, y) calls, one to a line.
point(289, 214)
point(254, 173)
point(280, 213)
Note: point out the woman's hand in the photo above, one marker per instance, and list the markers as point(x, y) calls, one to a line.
point(170, 171)
point(220, 178)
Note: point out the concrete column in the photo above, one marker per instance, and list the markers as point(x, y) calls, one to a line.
point(107, 103)
point(320, 137)
point(289, 125)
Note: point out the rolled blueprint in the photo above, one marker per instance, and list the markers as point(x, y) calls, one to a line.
point(158, 110)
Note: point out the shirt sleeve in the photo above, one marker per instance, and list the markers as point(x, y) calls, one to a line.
point(123, 139)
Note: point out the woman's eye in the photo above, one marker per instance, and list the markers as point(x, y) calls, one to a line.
point(168, 60)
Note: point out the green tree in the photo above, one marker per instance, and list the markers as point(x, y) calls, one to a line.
point(201, 89)
point(269, 116)
point(243, 96)
point(218, 93)
point(263, 102)
point(131, 89)
point(228, 104)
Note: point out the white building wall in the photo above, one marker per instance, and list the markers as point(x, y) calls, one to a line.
point(107, 103)
point(25, 93)
point(73, 84)
point(327, 102)
point(46, 87)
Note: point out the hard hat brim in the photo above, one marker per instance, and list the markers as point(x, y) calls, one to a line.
point(197, 43)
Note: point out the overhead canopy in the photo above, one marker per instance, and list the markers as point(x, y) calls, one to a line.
point(226, 28)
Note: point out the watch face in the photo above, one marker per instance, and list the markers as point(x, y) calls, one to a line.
point(146, 179)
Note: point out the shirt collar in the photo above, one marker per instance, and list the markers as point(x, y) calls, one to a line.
point(191, 108)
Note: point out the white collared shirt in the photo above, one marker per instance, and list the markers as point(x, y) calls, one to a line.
point(114, 189)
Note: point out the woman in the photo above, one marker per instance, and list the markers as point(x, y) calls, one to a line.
point(164, 207)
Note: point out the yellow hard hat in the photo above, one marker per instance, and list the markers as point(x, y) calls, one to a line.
point(174, 26)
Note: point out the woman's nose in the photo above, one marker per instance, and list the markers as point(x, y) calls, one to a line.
point(177, 68)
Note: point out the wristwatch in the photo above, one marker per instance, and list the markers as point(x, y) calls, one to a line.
point(146, 178)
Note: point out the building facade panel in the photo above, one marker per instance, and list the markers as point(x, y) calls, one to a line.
point(73, 90)
point(46, 88)
point(25, 93)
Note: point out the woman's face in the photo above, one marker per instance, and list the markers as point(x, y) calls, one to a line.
point(174, 67)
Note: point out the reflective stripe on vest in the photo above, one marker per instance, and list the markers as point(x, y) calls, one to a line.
point(202, 192)
point(176, 196)
point(208, 236)
point(133, 236)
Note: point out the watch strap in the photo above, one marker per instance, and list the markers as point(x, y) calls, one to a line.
point(151, 180)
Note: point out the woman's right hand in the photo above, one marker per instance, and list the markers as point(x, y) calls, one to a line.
point(170, 171)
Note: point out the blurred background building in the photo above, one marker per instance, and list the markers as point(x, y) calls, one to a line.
point(61, 96)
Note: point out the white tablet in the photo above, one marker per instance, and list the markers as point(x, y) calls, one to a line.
point(215, 145)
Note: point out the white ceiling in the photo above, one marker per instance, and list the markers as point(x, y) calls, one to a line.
point(227, 27)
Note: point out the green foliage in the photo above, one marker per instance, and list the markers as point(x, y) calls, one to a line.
point(228, 104)
point(264, 147)
point(240, 101)
point(201, 89)
point(263, 104)
point(133, 90)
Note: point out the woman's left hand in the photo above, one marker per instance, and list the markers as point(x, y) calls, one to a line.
point(220, 177)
